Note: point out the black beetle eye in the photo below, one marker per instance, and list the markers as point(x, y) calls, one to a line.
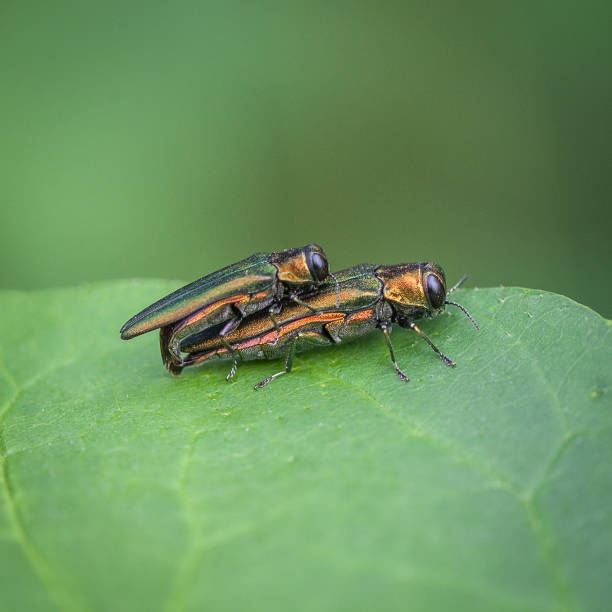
point(435, 292)
point(318, 267)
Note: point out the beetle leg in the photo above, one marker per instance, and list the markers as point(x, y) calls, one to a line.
point(233, 369)
point(288, 365)
point(235, 357)
point(297, 300)
point(231, 325)
point(317, 339)
point(447, 360)
point(386, 328)
point(275, 309)
point(276, 327)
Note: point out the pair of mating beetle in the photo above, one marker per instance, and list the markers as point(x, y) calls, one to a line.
point(270, 304)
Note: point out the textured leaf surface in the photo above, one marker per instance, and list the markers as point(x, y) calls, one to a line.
point(487, 486)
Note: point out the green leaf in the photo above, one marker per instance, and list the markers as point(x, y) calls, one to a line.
point(339, 487)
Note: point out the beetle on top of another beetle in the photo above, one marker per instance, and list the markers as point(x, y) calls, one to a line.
point(272, 305)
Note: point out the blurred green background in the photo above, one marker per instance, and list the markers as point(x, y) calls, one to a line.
point(170, 139)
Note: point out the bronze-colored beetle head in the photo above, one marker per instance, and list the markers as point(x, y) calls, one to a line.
point(417, 290)
point(414, 288)
point(304, 265)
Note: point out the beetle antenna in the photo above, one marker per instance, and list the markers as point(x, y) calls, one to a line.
point(465, 312)
point(458, 284)
point(337, 290)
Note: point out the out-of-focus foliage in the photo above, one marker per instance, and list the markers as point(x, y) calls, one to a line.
point(170, 139)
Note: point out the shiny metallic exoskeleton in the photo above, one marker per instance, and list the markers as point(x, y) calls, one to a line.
point(262, 282)
point(351, 304)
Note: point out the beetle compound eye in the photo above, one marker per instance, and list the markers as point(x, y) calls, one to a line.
point(318, 267)
point(435, 292)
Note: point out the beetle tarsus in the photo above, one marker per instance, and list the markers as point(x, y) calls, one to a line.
point(401, 375)
point(232, 371)
point(288, 365)
point(262, 383)
point(447, 360)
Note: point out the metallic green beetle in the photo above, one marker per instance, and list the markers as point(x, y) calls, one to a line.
point(370, 297)
point(263, 281)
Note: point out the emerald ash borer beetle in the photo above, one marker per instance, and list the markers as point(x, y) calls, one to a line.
point(262, 282)
point(359, 300)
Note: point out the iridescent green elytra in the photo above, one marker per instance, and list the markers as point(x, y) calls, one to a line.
point(263, 281)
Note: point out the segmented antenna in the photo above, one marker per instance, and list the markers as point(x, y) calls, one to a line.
point(465, 312)
point(457, 284)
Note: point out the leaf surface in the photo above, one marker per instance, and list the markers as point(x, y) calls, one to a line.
point(487, 486)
